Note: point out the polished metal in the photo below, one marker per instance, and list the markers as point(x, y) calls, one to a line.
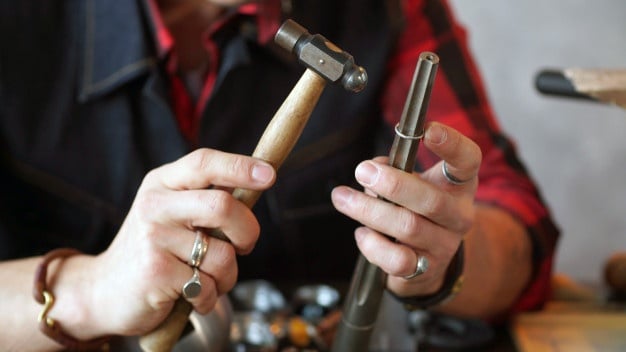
point(449, 177)
point(322, 56)
point(364, 297)
point(200, 247)
point(420, 267)
point(193, 287)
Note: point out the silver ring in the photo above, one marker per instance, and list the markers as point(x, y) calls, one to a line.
point(420, 267)
point(406, 136)
point(451, 178)
point(200, 247)
point(192, 287)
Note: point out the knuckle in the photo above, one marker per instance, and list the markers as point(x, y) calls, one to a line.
point(220, 204)
point(229, 281)
point(249, 242)
point(409, 224)
point(223, 257)
point(434, 204)
point(237, 166)
point(147, 204)
point(150, 180)
point(225, 266)
point(248, 247)
point(400, 265)
point(200, 159)
point(392, 186)
point(204, 160)
point(150, 176)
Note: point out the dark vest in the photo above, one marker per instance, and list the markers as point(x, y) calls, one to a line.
point(85, 114)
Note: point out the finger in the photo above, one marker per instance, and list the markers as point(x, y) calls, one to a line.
point(405, 226)
point(221, 264)
point(393, 258)
point(201, 209)
point(414, 193)
point(462, 155)
point(205, 167)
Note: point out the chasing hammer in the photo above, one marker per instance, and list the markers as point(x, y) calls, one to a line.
point(324, 62)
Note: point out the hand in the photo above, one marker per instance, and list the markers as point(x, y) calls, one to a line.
point(138, 278)
point(425, 215)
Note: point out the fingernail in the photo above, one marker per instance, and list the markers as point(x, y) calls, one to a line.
point(435, 134)
point(340, 196)
point(262, 173)
point(359, 233)
point(366, 173)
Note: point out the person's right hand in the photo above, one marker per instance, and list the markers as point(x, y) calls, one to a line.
point(136, 281)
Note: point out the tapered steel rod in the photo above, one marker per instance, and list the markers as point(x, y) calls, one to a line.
point(363, 300)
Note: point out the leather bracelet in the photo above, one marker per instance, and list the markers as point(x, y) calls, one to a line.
point(452, 284)
point(43, 295)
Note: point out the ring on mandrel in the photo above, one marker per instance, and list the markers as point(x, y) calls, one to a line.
point(420, 267)
point(200, 247)
point(451, 178)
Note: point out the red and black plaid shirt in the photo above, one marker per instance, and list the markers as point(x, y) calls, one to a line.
point(458, 100)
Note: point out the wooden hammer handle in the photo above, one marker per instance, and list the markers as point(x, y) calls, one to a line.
point(277, 141)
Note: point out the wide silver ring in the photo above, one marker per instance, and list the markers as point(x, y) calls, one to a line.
point(200, 247)
point(420, 267)
point(451, 178)
point(192, 287)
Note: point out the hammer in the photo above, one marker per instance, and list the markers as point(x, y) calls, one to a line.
point(324, 62)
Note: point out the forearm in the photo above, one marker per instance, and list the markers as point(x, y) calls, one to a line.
point(497, 265)
point(19, 310)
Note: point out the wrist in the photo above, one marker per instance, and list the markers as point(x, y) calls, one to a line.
point(64, 286)
point(72, 299)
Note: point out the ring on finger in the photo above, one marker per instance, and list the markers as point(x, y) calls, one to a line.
point(420, 268)
point(200, 247)
point(192, 287)
point(449, 177)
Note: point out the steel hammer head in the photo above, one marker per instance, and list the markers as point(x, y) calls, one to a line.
point(321, 56)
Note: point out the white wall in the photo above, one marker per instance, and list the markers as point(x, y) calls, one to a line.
point(575, 150)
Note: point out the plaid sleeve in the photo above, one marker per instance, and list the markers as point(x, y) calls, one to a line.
point(459, 100)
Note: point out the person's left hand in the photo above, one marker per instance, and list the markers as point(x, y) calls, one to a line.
point(425, 215)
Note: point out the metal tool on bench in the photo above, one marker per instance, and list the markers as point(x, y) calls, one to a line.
point(324, 62)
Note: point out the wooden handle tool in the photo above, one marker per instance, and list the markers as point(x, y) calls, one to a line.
point(278, 140)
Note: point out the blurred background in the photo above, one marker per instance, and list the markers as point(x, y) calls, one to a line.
point(575, 149)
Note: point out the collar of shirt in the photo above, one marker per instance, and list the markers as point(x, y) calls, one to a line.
point(188, 106)
point(267, 14)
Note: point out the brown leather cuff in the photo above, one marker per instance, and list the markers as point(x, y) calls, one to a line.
point(43, 295)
